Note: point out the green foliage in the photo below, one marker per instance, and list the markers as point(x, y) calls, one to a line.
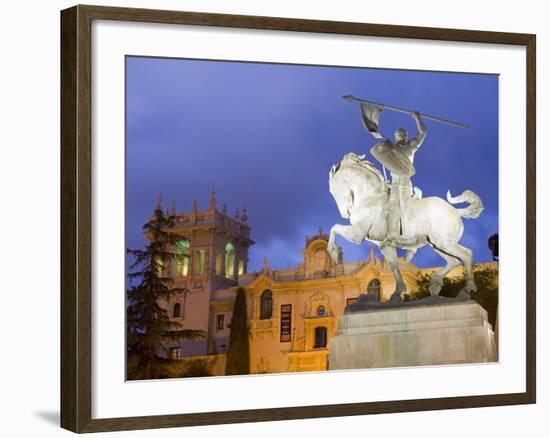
point(486, 279)
point(173, 369)
point(197, 368)
point(148, 325)
point(238, 352)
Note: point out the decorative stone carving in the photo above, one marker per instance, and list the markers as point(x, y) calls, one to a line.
point(317, 300)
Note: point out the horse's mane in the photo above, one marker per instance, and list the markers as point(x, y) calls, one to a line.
point(351, 159)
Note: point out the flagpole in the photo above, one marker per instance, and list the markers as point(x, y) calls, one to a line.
point(406, 111)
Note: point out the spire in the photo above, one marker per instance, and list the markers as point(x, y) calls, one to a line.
point(320, 230)
point(212, 202)
point(173, 209)
point(237, 215)
point(224, 209)
point(372, 258)
point(244, 216)
point(194, 207)
point(159, 202)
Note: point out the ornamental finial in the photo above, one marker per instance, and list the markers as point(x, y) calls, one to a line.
point(212, 202)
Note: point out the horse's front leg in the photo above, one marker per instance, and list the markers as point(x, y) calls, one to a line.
point(352, 233)
point(390, 254)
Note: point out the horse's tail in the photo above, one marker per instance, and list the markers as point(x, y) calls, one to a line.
point(473, 210)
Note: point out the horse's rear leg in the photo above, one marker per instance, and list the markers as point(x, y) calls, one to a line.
point(465, 255)
point(436, 282)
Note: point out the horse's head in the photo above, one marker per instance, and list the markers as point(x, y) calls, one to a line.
point(352, 180)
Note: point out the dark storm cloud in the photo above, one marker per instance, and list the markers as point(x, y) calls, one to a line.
point(265, 136)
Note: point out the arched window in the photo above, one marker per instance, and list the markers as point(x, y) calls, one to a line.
point(229, 261)
point(182, 258)
point(266, 305)
point(219, 263)
point(199, 262)
point(160, 266)
point(320, 337)
point(176, 311)
point(373, 289)
point(240, 271)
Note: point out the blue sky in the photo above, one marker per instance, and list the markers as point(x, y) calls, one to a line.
point(266, 135)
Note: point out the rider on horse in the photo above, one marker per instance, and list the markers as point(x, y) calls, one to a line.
point(398, 157)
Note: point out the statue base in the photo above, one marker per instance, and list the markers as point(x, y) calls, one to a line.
point(401, 335)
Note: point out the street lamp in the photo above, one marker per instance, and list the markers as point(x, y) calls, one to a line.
point(493, 245)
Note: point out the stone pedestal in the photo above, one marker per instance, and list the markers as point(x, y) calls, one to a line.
point(401, 336)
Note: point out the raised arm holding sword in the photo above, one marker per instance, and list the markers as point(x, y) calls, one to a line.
point(398, 157)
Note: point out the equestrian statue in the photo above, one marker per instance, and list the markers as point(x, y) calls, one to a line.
point(394, 214)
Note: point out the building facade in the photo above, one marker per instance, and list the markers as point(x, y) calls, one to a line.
point(292, 313)
point(211, 255)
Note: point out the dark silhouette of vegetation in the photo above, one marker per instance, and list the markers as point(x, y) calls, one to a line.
point(197, 368)
point(148, 325)
point(238, 352)
point(187, 367)
point(486, 279)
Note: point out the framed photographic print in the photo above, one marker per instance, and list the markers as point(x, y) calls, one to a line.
point(318, 218)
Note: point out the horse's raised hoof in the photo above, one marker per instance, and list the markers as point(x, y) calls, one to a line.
point(335, 253)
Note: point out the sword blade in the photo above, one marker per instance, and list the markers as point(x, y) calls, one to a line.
point(406, 111)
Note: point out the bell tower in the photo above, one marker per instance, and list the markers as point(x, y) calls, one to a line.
point(211, 255)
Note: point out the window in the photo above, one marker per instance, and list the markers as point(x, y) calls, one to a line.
point(176, 311)
point(220, 323)
point(321, 311)
point(320, 337)
point(175, 353)
point(160, 267)
point(199, 261)
point(219, 263)
point(266, 305)
point(229, 261)
point(241, 267)
point(373, 289)
point(182, 258)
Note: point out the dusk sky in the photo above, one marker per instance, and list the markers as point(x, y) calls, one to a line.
point(266, 136)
